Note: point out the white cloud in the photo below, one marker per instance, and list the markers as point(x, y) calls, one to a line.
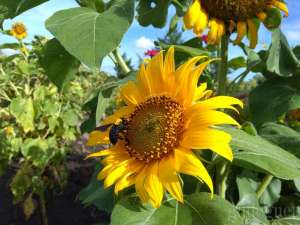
point(144, 43)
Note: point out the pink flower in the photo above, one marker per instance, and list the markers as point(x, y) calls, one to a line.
point(204, 38)
point(151, 52)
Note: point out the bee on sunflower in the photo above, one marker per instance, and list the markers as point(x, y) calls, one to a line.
point(167, 118)
point(223, 17)
point(18, 30)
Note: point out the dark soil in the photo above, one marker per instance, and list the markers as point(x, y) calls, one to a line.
point(63, 208)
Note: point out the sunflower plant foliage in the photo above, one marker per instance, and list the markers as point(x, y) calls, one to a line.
point(177, 141)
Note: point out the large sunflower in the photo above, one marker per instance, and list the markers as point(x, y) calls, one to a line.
point(222, 17)
point(165, 119)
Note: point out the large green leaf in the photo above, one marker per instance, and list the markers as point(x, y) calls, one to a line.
point(12, 8)
point(198, 209)
point(281, 59)
point(271, 100)
point(256, 153)
point(22, 109)
point(248, 204)
point(295, 220)
point(59, 65)
point(283, 136)
point(153, 12)
point(89, 35)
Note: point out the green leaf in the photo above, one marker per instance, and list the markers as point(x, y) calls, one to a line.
point(37, 151)
point(59, 65)
point(248, 204)
point(96, 194)
point(22, 109)
point(271, 100)
point(104, 98)
point(10, 46)
point(273, 19)
point(12, 8)
point(153, 12)
point(272, 194)
point(70, 117)
point(256, 153)
point(198, 209)
point(186, 49)
point(89, 35)
point(297, 184)
point(294, 220)
point(237, 63)
point(281, 59)
point(283, 136)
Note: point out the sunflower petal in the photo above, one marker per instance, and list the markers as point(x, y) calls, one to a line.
point(241, 32)
point(139, 186)
point(198, 120)
point(100, 153)
point(153, 185)
point(186, 162)
point(253, 33)
point(123, 112)
point(281, 6)
point(131, 94)
point(191, 16)
point(98, 138)
point(169, 178)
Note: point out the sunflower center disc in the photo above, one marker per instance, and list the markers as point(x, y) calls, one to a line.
point(154, 128)
point(236, 10)
point(19, 29)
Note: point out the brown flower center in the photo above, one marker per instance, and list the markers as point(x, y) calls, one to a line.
point(19, 28)
point(236, 10)
point(154, 128)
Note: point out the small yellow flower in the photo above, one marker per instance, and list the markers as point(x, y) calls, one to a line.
point(166, 118)
point(18, 30)
point(222, 17)
point(9, 131)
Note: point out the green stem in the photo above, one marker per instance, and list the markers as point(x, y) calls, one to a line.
point(222, 175)
point(264, 184)
point(223, 66)
point(125, 69)
point(43, 209)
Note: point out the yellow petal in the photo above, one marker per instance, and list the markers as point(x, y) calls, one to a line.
point(221, 30)
point(139, 186)
point(213, 139)
point(191, 16)
point(219, 102)
point(199, 92)
point(201, 23)
point(213, 33)
point(124, 182)
point(154, 71)
point(100, 153)
point(115, 174)
point(169, 178)
point(186, 162)
point(123, 112)
point(98, 138)
point(200, 119)
point(253, 33)
point(144, 80)
point(241, 32)
point(281, 6)
point(131, 94)
point(261, 16)
point(169, 63)
point(153, 185)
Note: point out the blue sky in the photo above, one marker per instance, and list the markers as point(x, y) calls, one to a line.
point(138, 39)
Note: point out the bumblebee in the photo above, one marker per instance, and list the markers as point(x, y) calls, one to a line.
point(116, 132)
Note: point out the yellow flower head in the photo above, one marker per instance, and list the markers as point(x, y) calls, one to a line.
point(166, 118)
point(18, 30)
point(222, 17)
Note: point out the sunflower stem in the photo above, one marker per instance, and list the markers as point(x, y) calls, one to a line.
point(221, 179)
point(121, 62)
point(264, 184)
point(223, 66)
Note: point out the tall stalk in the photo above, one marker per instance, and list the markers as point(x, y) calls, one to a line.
point(223, 66)
point(223, 168)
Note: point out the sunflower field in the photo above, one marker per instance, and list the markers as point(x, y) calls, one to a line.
point(202, 128)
